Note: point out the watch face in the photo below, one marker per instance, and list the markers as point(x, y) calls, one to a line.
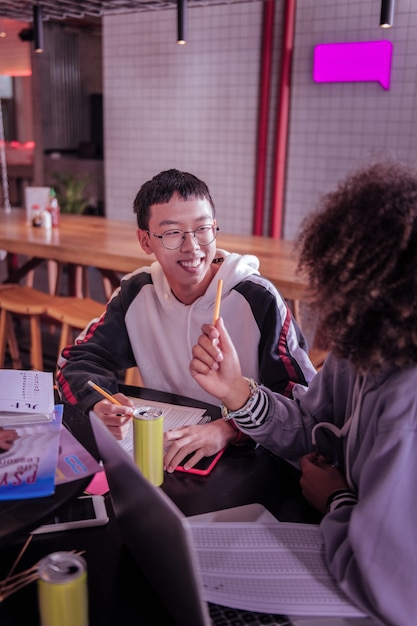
point(225, 413)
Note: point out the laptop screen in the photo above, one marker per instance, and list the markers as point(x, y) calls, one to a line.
point(155, 531)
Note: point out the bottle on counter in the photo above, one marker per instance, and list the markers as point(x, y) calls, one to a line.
point(36, 215)
point(46, 219)
point(53, 207)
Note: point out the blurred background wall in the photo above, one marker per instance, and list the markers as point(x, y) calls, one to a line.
point(196, 107)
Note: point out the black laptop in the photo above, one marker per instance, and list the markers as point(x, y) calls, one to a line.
point(159, 538)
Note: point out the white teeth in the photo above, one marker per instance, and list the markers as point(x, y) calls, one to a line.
point(194, 263)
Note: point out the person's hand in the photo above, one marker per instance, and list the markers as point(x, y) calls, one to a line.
point(202, 439)
point(215, 366)
point(7, 438)
point(115, 416)
point(319, 480)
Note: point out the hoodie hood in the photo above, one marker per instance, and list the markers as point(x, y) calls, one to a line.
point(233, 269)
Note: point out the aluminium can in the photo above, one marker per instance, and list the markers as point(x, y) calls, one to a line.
point(148, 443)
point(62, 590)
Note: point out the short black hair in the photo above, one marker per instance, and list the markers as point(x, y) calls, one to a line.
point(162, 187)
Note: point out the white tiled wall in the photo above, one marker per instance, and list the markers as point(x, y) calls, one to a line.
point(336, 127)
point(194, 107)
point(191, 107)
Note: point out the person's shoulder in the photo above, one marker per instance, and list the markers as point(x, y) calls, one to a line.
point(262, 297)
point(391, 401)
point(142, 275)
point(399, 385)
point(257, 283)
point(134, 282)
point(247, 263)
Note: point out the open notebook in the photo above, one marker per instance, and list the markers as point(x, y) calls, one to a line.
point(160, 538)
point(174, 417)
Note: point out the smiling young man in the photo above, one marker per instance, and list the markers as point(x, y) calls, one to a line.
point(154, 318)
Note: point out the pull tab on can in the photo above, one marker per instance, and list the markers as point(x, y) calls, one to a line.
point(148, 443)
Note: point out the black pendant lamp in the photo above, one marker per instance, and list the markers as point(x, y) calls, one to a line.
point(182, 17)
point(387, 13)
point(37, 28)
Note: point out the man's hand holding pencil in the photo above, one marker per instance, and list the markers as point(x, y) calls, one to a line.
point(114, 410)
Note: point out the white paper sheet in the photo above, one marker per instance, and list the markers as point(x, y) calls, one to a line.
point(26, 396)
point(276, 567)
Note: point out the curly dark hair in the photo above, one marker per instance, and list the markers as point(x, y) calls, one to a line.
point(162, 187)
point(359, 253)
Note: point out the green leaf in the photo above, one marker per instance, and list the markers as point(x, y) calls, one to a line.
point(71, 192)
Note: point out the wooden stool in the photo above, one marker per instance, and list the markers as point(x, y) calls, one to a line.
point(22, 300)
point(133, 377)
point(70, 313)
point(8, 336)
point(73, 314)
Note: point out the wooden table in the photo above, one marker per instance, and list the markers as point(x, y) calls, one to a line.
point(111, 246)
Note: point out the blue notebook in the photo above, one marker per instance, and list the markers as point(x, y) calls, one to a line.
point(29, 458)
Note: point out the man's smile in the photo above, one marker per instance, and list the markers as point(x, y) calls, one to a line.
point(191, 263)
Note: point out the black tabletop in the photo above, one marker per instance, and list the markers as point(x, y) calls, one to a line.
point(117, 591)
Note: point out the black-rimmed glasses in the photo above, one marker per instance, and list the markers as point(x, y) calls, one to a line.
point(173, 239)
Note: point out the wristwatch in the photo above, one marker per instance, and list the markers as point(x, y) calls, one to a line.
point(253, 388)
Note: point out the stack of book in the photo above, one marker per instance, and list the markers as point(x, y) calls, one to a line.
point(36, 451)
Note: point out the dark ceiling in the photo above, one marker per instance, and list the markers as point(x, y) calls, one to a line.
point(58, 10)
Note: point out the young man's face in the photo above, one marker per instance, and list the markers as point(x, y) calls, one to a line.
point(188, 268)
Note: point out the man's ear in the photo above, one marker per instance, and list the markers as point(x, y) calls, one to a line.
point(143, 238)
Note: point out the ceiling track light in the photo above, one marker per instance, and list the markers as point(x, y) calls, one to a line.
point(37, 28)
point(182, 17)
point(387, 13)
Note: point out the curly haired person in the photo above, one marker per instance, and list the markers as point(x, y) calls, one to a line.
point(354, 429)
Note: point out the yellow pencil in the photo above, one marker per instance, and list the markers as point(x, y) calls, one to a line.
point(104, 393)
point(218, 300)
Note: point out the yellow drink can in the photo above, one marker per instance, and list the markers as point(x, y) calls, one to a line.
point(62, 590)
point(148, 443)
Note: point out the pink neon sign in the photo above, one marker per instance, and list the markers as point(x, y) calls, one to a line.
point(353, 62)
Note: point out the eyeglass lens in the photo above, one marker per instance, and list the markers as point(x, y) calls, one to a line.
point(204, 235)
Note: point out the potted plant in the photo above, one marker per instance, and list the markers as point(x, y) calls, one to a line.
point(71, 192)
